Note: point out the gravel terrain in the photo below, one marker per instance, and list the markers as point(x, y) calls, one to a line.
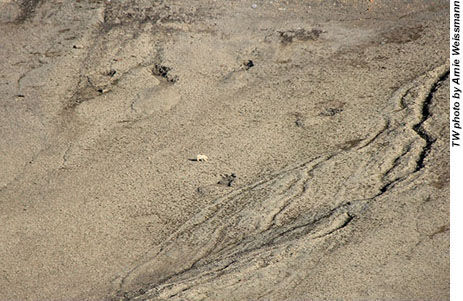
point(324, 123)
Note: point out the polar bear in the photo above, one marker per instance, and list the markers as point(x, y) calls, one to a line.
point(201, 158)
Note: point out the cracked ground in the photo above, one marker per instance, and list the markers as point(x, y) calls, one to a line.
point(325, 124)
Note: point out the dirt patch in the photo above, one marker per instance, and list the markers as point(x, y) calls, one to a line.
point(289, 36)
point(403, 35)
point(28, 8)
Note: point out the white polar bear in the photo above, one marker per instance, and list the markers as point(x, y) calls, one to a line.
point(201, 158)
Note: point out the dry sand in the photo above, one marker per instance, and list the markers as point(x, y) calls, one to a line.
point(332, 116)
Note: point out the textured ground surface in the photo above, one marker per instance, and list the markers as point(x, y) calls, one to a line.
point(332, 117)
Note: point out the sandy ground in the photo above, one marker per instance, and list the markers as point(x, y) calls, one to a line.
point(332, 117)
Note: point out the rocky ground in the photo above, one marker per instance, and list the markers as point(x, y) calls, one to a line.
point(325, 124)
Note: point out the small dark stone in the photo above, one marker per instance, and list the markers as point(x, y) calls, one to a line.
point(161, 70)
point(227, 180)
point(331, 111)
point(248, 65)
point(111, 72)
